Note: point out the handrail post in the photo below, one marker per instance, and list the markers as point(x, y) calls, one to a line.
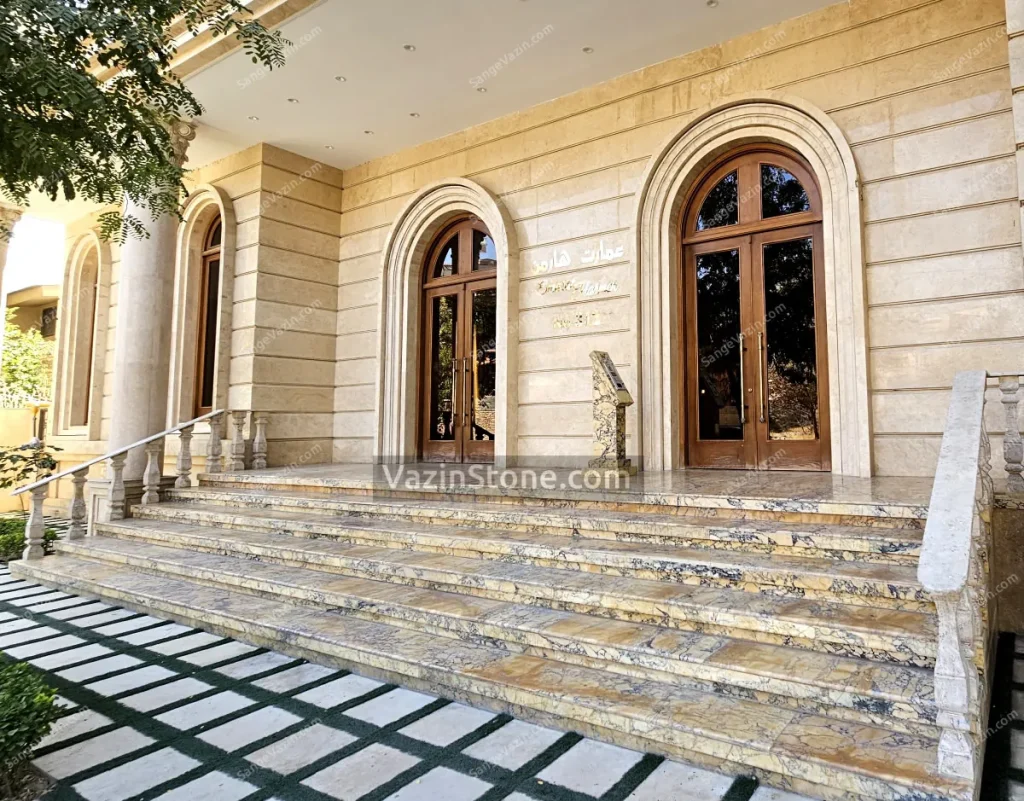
point(214, 449)
point(1013, 446)
point(79, 513)
point(184, 466)
point(259, 442)
point(35, 530)
point(117, 494)
point(151, 478)
point(238, 441)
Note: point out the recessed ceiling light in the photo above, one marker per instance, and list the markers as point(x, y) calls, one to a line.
point(254, 119)
point(712, 3)
point(340, 78)
point(410, 48)
point(481, 88)
point(293, 100)
point(414, 114)
point(588, 50)
point(328, 147)
point(370, 133)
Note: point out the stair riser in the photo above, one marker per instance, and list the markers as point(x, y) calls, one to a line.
point(577, 650)
point(779, 583)
point(657, 532)
point(546, 708)
point(732, 508)
point(907, 651)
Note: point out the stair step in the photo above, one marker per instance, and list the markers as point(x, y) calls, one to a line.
point(893, 586)
point(802, 752)
point(859, 631)
point(891, 696)
point(866, 543)
point(778, 496)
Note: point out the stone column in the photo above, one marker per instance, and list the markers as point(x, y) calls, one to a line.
point(8, 217)
point(142, 347)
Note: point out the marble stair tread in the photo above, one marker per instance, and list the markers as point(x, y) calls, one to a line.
point(846, 758)
point(595, 522)
point(667, 562)
point(857, 684)
point(902, 636)
point(735, 491)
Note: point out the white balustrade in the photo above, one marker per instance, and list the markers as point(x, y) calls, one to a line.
point(238, 440)
point(259, 442)
point(184, 465)
point(79, 512)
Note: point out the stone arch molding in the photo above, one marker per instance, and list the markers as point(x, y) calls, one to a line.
point(798, 125)
point(203, 205)
point(414, 230)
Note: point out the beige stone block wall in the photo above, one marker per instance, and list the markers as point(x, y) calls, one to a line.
point(920, 89)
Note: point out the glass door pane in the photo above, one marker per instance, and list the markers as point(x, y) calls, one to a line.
point(483, 365)
point(791, 350)
point(443, 416)
point(719, 363)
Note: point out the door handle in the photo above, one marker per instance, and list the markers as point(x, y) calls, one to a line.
point(760, 371)
point(743, 394)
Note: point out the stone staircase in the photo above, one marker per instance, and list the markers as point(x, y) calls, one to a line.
point(790, 641)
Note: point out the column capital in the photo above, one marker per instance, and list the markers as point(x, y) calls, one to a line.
point(9, 215)
point(181, 133)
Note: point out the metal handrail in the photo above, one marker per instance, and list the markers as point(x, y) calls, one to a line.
point(118, 452)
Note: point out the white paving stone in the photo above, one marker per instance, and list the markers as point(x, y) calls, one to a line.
point(1018, 671)
point(74, 725)
point(391, 706)
point(72, 657)
point(514, 744)
point(136, 776)
point(768, 794)
point(442, 783)
point(38, 599)
point(101, 619)
point(65, 703)
point(356, 775)
point(183, 644)
point(260, 663)
point(7, 616)
point(43, 646)
point(53, 606)
point(101, 667)
point(293, 678)
point(1015, 789)
point(94, 751)
point(9, 595)
point(155, 634)
point(1017, 748)
point(337, 692)
point(79, 611)
point(132, 680)
point(124, 626)
point(17, 624)
point(218, 653)
point(671, 781)
point(205, 710)
point(214, 786)
point(158, 697)
point(448, 724)
point(26, 635)
point(301, 748)
point(590, 767)
point(249, 728)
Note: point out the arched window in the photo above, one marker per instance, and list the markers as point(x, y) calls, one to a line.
point(209, 314)
point(755, 354)
point(82, 347)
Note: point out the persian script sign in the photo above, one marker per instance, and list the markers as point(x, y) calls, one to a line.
point(560, 258)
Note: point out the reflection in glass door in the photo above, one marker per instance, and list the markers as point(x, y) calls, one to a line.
point(460, 359)
point(755, 357)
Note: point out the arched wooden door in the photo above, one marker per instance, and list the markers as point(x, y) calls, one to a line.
point(460, 360)
point(753, 311)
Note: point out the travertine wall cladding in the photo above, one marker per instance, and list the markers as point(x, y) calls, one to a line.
point(920, 89)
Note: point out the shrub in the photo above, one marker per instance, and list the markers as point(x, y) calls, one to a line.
point(27, 711)
point(12, 539)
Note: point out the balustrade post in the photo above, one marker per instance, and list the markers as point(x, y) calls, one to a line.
point(35, 530)
point(238, 441)
point(1013, 445)
point(184, 479)
point(213, 447)
point(955, 678)
point(79, 513)
point(259, 443)
point(151, 478)
point(117, 495)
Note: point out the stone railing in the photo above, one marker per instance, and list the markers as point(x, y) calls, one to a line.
point(153, 478)
point(1013, 446)
point(955, 571)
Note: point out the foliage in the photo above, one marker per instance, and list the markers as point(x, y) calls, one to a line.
point(87, 98)
point(12, 539)
point(27, 365)
point(24, 464)
point(27, 712)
